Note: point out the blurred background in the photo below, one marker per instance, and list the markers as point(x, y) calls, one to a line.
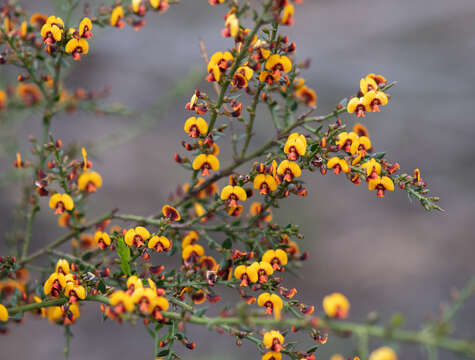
point(386, 255)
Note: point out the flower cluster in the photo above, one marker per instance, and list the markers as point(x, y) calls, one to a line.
point(213, 233)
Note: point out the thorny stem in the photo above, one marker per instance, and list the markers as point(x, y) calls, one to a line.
point(29, 226)
point(236, 64)
point(66, 237)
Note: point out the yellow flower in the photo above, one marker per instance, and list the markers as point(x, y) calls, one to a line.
point(170, 213)
point(55, 284)
point(85, 27)
point(205, 162)
point(218, 63)
point(346, 140)
point(23, 29)
point(77, 47)
point(189, 239)
point(337, 357)
point(137, 237)
point(160, 5)
point(89, 181)
point(272, 302)
point(269, 77)
point(277, 258)
point(373, 168)
point(241, 77)
point(295, 145)
point(121, 301)
point(232, 25)
point(357, 105)
point(233, 194)
point(379, 79)
point(383, 353)
point(367, 85)
point(247, 274)
point(361, 145)
point(144, 297)
point(336, 305)
point(158, 305)
point(116, 17)
point(196, 126)
point(61, 202)
point(287, 15)
point(62, 267)
point(373, 99)
point(265, 183)
point(102, 239)
point(289, 170)
point(3, 313)
point(338, 165)
point(272, 355)
point(278, 63)
point(3, 99)
point(192, 253)
point(52, 30)
point(133, 283)
point(273, 340)
point(381, 184)
point(264, 270)
point(160, 243)
point(74, 292)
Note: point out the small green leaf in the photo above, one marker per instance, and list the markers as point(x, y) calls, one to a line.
point(227, 244)
point(124, 254)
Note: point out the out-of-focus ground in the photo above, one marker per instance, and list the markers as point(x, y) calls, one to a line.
point(385, 255)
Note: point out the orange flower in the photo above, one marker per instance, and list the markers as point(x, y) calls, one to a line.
point(307, 96)
point(29, 93)
point(170, 213)
point(287, 15)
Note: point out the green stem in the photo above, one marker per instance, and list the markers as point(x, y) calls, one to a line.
point(236, 64)
point(66, 237)
point(255, 320)
point(29, 226)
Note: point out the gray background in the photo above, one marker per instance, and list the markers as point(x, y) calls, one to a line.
point(386, 255)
